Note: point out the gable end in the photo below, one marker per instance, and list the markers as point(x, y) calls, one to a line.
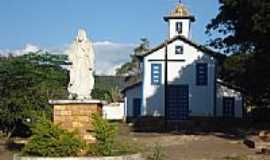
point(202, 48)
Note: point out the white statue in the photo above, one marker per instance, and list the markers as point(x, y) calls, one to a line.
point(81, 55)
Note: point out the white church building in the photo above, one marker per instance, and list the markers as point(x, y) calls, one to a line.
point(179, 79)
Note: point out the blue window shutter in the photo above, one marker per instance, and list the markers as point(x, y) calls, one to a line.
point(202, 74)
point(156, 74)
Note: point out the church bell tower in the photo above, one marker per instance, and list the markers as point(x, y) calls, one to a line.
point(179, 21)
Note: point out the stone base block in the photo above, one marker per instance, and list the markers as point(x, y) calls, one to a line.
point(76, 115)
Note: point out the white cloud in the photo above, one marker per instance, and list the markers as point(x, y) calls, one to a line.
point(30, 48)
point(16, 52)
point(109, 55)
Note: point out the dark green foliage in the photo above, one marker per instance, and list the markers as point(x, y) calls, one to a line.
point(46, 58)
point(107, 142)
point(261, 114)
point(243, 28)
point(245, 24)
point(101, 94)
point(124, 69)
point(48, 140)
point(105, 134)
point(108, 88)
point(109, 82)
point(25, 88)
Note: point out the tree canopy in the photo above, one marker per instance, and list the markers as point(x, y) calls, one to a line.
point(243, 32)
point(26, 85)
point(29, 81)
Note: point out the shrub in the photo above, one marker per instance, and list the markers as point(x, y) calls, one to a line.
point(107, 143)
point(49, 140)
point(105, 134)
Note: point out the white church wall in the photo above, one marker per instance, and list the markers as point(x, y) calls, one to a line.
point(153, 95)
point(201, 98)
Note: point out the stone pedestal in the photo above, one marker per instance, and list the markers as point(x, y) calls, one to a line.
point(76, 115)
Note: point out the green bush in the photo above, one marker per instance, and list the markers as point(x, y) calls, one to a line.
point(107, 143)
point(49, 140)
point(105, 134)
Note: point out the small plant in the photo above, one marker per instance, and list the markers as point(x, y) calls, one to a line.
point(105, 134)
point(49, 140)
point(157, 153)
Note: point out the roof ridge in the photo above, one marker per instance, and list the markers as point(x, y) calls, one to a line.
point(186, 40)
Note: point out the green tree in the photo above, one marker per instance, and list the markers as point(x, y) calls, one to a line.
point(25, 88)
point(132, 69)
point(243, 32)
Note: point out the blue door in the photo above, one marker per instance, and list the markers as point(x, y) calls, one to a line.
point(137, 107)
point(228, 107)
point(178, 102)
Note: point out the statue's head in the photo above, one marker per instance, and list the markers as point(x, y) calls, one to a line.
point(82, 36)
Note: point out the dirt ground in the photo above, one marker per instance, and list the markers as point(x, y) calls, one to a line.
point(191, 147)
point(195, 146)
point(180, 146)
point(4, 153)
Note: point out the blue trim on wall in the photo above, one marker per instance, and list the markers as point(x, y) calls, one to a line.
point(202, 74)
point(156, 74)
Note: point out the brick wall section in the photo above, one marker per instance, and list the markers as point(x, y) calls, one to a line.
point(76, 117)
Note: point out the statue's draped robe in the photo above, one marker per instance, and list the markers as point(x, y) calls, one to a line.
point(81, 56)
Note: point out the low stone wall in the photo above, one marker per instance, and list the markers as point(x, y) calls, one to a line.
point(128, 157)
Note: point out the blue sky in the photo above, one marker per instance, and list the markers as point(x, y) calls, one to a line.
point(54, 23)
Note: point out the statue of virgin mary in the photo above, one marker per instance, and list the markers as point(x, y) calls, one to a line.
point(81, 55)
